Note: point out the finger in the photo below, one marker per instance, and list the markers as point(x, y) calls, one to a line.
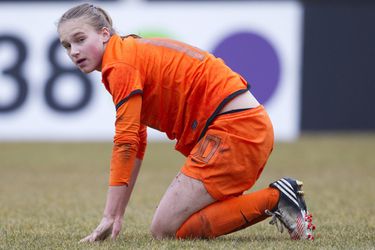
point(95, 235)
point(116, 229)
point(115, 233)
point(103, 230)
point(104, 235)
point(101, 233)
point(86, 239)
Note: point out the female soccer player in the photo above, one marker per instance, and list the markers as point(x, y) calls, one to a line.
point(192, 96)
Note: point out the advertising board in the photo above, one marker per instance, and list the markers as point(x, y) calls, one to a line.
point(43, 97)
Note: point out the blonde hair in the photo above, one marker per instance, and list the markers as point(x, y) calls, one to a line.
point(95, 16)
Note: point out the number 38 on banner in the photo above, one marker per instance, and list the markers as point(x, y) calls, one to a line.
point(13, 72)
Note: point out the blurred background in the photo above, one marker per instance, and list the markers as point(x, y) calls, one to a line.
point(309, 62)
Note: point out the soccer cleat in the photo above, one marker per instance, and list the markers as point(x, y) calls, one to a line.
point(291, 210)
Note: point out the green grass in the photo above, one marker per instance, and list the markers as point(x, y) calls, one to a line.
point(53, 194)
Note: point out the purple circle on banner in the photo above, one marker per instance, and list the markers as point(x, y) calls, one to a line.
point(253, 57)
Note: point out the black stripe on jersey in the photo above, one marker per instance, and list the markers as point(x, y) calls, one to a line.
point(233, 111)
point(220, 107)
point(135, 92)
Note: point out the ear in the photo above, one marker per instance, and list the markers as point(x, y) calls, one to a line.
point(106, 34)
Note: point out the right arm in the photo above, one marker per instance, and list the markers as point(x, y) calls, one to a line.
point(117, 200)
point(118, 216)
point(124, 84)
point(128, 150)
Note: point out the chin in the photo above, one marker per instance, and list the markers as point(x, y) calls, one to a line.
point(86, 71)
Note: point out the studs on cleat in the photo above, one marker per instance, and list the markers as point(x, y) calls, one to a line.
point(311, 226)
point(299, 183)
point(291, 210)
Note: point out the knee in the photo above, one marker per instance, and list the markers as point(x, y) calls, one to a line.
point(160, 230)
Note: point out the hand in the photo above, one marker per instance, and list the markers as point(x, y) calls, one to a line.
point(117, 200)
point(108, 226)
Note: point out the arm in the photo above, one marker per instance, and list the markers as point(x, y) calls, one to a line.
point(128, 150)
point(118, 196)
point(117, 201)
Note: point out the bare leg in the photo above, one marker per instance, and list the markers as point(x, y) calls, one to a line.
point(184, 197)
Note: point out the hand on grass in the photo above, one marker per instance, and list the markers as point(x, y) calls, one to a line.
point(107, 226)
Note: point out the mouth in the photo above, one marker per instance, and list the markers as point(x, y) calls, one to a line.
point(80, 62)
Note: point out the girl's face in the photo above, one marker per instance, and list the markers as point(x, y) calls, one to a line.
point(84, 45)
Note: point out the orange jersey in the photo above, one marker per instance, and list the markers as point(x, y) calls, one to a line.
point(167, 85)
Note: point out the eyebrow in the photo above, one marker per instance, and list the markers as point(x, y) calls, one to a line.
point(74, 35)
point(78, 33)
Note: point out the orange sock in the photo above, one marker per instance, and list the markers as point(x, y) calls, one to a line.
point(230, 215)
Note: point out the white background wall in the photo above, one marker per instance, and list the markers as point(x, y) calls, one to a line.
point(201, 24)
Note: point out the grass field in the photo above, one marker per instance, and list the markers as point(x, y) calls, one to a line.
point(51, 195)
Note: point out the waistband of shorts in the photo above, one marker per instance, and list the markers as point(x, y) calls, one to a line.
point(236, 112)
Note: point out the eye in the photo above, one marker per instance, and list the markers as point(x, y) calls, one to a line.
point(82, 39)
point(66, 45)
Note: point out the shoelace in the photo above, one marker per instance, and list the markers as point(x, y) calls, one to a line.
point(275, 220)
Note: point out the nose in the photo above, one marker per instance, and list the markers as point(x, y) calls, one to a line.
point(74, 51)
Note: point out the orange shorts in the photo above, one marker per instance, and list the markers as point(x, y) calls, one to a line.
point(232, 154)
